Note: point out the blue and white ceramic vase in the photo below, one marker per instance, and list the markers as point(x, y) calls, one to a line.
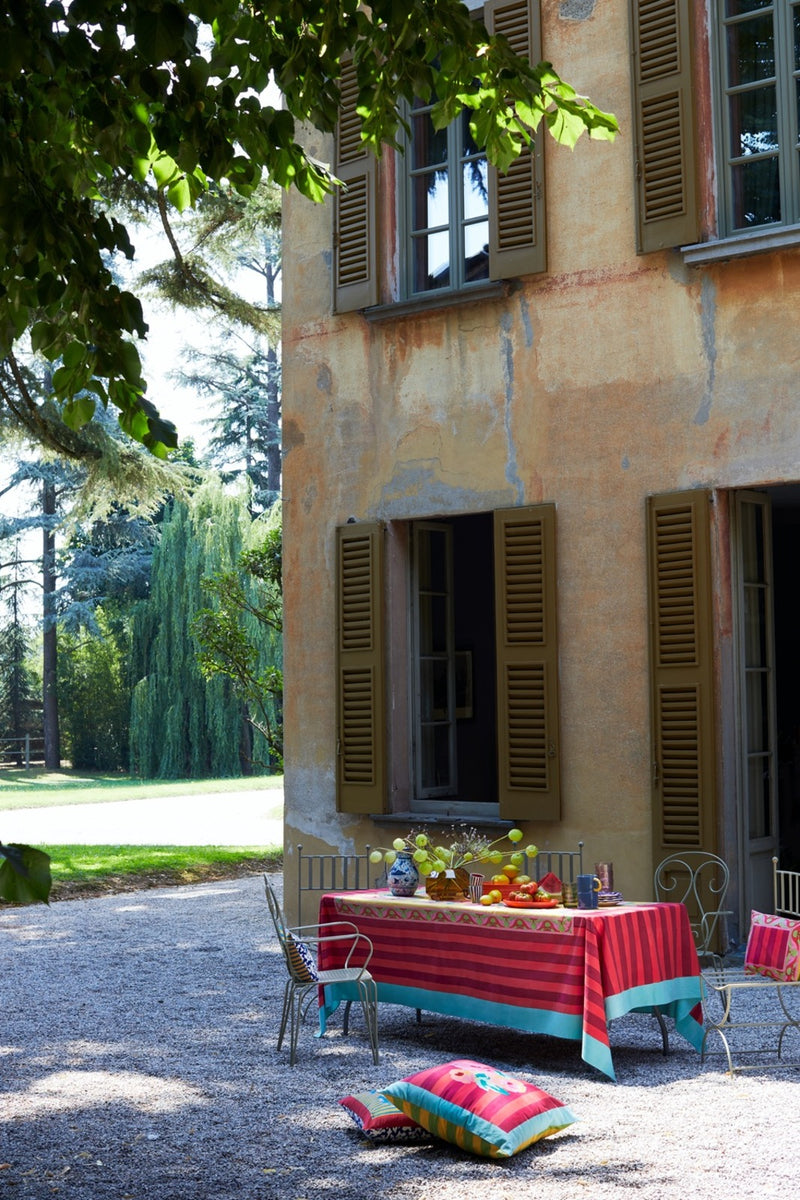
point(403, 875)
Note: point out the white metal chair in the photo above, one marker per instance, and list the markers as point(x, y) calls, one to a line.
point(752, 990)
point(699, 880)
point(298, 944)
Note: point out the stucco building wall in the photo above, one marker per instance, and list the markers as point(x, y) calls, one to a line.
point(608, 379)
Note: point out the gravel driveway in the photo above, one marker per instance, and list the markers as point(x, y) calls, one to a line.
point(139, 1063)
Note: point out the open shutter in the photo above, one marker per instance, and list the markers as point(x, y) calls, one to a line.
point(355, 207)
point(682, 677)
point(517, 243)
point(361, 723)
point(664, 124)
point(527, 663)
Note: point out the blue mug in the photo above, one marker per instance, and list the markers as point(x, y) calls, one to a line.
point(588, 887)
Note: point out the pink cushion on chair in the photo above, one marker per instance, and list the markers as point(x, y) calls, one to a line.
point(773, 947)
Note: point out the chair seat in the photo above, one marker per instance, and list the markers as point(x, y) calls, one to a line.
point(343, 975)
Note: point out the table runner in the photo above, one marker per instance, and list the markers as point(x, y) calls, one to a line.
point(562, 971)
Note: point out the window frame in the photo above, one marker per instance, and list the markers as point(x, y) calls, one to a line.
point(458, 222)
point(786, 76)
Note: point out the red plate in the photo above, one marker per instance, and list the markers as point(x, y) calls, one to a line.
point(530, 903)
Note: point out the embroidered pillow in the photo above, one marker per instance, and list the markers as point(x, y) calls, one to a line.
point(478, 1108)
point(302, 960)
point(380, 1120)
point(773, 947)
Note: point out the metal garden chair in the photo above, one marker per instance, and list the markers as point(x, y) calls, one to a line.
point(699, 880)
point(298, 944)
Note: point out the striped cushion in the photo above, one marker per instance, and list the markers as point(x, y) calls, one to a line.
point(773, 947)
point(302, 960)
point(479, 1108)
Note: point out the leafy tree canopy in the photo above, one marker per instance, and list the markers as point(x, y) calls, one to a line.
point(169, 93)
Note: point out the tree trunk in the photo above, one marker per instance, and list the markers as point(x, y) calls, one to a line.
point(52, 740)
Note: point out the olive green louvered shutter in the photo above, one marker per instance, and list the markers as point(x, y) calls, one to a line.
point(361, 723)
point(664, 124)
point(355, 267)
point(517, 242)
point(527, 663)
point(682, 676)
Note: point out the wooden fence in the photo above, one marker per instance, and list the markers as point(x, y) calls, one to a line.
point(27, 751)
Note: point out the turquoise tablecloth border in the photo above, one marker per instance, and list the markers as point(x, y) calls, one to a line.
point(675, 998)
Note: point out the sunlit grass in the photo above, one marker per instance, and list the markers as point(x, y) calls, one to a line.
point(39, 788)
point(92, 869)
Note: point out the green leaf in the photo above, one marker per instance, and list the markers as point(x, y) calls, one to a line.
point(180, 194)
point(24, 874)
point(78, 411)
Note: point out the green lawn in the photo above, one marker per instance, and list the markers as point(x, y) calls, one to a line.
point(97, 870)
point(38, 788)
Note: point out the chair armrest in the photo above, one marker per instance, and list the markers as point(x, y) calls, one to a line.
point(349, 933)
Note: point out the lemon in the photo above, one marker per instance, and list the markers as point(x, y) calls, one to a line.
point(486, 898)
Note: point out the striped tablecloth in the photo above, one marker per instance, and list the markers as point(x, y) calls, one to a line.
point(558, 971)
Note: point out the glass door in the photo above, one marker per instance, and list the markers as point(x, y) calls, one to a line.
point(756, 686)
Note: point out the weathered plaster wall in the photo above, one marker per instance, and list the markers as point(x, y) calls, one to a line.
point(610, 378)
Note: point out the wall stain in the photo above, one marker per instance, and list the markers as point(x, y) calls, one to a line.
point(708, 312)
point(507, 355)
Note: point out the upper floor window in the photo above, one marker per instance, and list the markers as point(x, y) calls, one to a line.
point(445, 212)
point(459, 222)
point(759, 57)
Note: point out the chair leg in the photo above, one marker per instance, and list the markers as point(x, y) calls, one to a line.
point(368, 990)
point(659, 1016)
point(346, 1017)
point(287, 1002)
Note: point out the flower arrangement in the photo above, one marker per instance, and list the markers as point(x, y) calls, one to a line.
point(462, 847)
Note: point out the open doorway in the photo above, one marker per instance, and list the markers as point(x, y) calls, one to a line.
point(785, 503)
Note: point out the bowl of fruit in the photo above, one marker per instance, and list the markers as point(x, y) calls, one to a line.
point(529, 895)
point(505, 880)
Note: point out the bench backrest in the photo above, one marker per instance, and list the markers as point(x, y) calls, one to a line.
point(786, 888)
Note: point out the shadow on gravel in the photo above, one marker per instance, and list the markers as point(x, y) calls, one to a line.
point(139, 1063)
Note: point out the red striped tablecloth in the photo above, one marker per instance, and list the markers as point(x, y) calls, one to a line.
point(559, 971)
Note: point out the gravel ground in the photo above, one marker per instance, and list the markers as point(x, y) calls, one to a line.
point(139, 1063)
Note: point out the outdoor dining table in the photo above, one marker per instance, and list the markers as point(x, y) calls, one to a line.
point(557, 971)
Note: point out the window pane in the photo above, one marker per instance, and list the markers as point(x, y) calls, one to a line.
point(432, 560)
point(432, 624)
point(433, 690)
point(755, 627)
point(754, 122)
point(435, 756)
point(428, 145)
point(757, 712)
point(796, 28)
point(753, 543)
point(430, 200)
point(735, 8)
point(476, 188)
point(751, 51)
point(759, 792)
point(476, 251)
point(431, 262)
point(756, 193)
